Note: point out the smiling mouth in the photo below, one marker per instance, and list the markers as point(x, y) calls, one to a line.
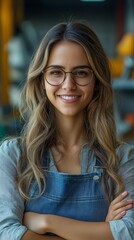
point(69, 97)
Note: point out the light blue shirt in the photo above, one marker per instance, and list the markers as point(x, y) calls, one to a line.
point(12, 204)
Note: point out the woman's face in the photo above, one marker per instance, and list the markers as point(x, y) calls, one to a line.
point(69, 99)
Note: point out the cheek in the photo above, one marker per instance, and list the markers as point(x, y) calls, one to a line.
point(48, 88)
point(90, 97)
point(49, 95)
point(90, 92)
point(50, 92)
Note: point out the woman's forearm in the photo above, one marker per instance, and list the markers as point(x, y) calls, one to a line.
point(71, 229)
point(34, 236)
point(65, 228)
point(77, 230)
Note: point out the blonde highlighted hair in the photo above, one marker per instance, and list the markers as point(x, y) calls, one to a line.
point(40, 132)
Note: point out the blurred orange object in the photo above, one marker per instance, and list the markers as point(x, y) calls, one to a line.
point(130, 118)
point(116, 66)
point(126, 46)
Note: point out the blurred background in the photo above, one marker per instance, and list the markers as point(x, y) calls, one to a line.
point(23, 24)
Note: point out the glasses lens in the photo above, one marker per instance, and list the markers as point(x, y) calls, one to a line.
point(54, 76)
point(82, 76)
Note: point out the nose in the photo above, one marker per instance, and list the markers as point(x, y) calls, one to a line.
point(68, 83)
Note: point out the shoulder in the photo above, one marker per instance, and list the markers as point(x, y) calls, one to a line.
point(125, 153)
point(9, 152)
point(10, 146)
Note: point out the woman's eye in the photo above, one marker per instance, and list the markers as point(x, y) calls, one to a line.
point(55, 72)
point(81, 73)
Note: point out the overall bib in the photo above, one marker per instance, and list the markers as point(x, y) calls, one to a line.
point(77, 196)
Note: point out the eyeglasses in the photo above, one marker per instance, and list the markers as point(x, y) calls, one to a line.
point(56, 76)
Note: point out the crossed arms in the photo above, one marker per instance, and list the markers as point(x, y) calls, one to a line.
point(70, 229)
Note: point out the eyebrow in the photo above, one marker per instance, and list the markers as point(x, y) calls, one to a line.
point(59, 66)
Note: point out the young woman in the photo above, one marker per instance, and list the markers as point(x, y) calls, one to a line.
point(67, 176)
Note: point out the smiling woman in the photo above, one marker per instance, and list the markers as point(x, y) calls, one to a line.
point(71, 91)
point(67, 162)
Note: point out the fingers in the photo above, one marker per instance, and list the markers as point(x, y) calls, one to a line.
point(126, 204)
point(119, 215)
point(118, 202)
point(122, 210)
point(119, 207)
point(119, 198)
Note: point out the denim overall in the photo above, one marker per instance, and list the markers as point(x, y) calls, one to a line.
point(77, 196)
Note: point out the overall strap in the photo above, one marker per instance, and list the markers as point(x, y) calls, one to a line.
point(99, 166)
point(46, 160)
point(106, 180)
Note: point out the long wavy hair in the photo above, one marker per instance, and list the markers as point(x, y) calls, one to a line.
point(40, 132)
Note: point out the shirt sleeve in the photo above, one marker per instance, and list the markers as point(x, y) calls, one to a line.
point(124, 229)
point(11, 202)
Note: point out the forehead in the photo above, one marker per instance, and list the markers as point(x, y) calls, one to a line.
point(65, 52)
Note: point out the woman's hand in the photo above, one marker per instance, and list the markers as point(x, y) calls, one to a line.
point(119, 207)
point(35, 222)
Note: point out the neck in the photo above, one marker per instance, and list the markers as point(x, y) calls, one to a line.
point(71, 131)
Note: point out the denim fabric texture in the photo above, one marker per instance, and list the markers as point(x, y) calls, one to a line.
point(78, 196)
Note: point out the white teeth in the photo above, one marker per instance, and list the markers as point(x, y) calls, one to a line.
point(68, 97)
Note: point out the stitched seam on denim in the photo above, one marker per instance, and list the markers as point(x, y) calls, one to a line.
point(73, 199)
point(78, 178)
